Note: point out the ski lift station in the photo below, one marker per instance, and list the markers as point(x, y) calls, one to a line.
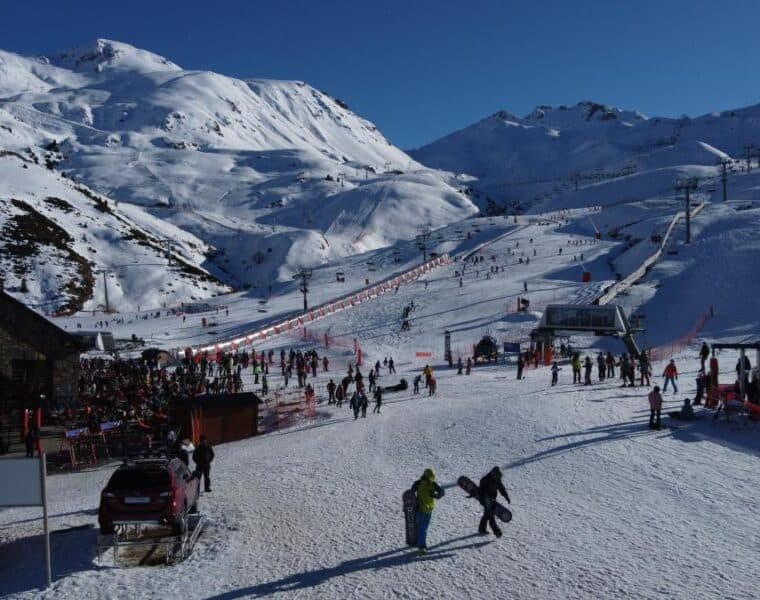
point(564, 319)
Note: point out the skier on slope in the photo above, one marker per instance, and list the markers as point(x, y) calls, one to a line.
point(671, 375)
point(587, 367)
point(489, 487)
point(576, 364)
point(428, 491)
point(555, 372)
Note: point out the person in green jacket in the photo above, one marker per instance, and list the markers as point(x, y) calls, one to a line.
point(428, 491)
point(576, 364)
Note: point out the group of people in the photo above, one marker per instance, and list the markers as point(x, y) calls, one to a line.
point(430, 383)
point(606, 365)
point(358, 400)
point(126, 390)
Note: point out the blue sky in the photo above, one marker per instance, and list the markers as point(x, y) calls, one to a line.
point(421, 69)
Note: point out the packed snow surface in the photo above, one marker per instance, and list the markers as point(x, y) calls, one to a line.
point(603, 507)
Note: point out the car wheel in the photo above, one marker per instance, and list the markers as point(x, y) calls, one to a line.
point(179, 527)
point(107, 529)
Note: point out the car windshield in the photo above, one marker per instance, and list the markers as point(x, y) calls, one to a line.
point(134, 479)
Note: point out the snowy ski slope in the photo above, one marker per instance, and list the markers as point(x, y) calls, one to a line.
point(604, 507)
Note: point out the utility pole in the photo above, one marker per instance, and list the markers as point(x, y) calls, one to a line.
point(748, 151)
point(687, 186)
point(304, 275)
point(422, 240)
point(724, 162)
point(105, 272)
point(576, 180)
point(168, 244)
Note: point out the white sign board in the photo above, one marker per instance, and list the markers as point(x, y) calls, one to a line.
point(23, 482)
point(25, 486)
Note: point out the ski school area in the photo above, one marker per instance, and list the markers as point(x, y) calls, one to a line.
point(602, 506)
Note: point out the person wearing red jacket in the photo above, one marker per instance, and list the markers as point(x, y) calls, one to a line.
point(671, 375)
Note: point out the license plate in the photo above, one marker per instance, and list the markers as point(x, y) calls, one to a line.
point(136, 500)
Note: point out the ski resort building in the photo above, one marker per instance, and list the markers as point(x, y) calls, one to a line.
point(39, 362)
point(585, 319)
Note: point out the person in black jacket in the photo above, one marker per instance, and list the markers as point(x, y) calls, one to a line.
point(488, 489)
point(202, 457)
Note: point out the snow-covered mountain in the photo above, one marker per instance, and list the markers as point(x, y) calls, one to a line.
point(57, 236)
point(558, 151)
point(274, 175)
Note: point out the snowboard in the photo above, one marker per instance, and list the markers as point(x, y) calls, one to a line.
point(409, 499)
point(468, 485)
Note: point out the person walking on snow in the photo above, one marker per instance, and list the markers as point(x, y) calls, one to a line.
point(427, 372)
point(587, 367)
point(489, 487)
point(391, 368)
point(671, 375)
point(203, 456)
point(363, 401)
point(427, 491)
point(372, 380)
point(378, 400)
point(655, 407)
point(331, 392)
point(610, 360)
point(520, 365)
point(417, 381)
point(704, 354)
point(601, 366)
point(646, 370)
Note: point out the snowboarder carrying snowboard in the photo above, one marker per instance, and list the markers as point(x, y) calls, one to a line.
point(428, 491)
point(488, 489)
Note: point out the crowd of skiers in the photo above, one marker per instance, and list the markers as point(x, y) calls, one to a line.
point(606, 365)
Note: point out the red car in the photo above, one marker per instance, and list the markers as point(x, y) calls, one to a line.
point(157, 491)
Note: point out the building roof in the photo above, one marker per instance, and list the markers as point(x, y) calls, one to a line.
point(27, 325)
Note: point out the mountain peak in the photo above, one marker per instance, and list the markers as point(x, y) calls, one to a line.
point(585, 110)
point(108, 55)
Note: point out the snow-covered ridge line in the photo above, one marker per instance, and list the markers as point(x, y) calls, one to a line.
point(327, 308)
point(626, 283)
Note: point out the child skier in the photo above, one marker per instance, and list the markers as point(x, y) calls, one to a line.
point(555, 372)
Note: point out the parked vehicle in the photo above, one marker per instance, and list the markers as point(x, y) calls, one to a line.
point(161, 491)
point(487, 349)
